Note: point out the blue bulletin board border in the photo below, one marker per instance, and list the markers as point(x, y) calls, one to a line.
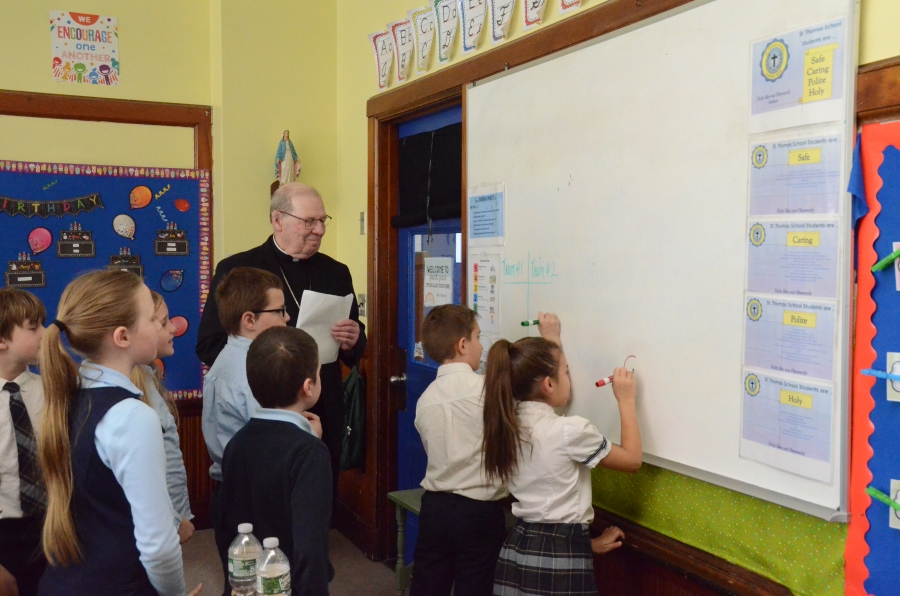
point(14, 209)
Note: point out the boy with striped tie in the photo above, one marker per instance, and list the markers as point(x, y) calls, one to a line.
point(22, 496)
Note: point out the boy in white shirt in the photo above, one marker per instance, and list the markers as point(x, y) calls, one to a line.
point(461, 525)
point(22, 496)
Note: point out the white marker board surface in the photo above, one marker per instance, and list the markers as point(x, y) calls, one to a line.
point(625, 165)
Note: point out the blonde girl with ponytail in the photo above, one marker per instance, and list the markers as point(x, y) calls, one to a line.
point(109, 528)
point(148, 379)
point(545, 460)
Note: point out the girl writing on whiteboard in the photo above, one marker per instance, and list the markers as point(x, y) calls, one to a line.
point(109, 528)
point(545, 460)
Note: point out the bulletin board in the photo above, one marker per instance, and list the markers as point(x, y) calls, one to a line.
point(58, 221)
point(871, 545)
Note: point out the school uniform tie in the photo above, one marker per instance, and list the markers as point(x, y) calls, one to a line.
point(32, 494)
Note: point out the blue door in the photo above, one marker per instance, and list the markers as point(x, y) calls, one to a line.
point(418, 293)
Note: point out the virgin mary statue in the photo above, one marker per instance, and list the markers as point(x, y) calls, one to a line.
point(287, 166)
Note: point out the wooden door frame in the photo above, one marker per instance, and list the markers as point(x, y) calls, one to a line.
point(878, 98)
point(122, 111)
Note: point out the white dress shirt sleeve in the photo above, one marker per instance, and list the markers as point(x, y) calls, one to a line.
point(584, 443)
point(129, 442)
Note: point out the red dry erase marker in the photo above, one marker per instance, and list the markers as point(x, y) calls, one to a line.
point(606, 381)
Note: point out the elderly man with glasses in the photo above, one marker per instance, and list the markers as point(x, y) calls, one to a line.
point(292, 253)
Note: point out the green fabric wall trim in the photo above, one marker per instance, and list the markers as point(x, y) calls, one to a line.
point(804, 553)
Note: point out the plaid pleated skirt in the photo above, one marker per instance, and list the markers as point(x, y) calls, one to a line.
point(546, 560)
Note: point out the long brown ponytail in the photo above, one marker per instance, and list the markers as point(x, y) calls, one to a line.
point(514, 373)
point(91, 306)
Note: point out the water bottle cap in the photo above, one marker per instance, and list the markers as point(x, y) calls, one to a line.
point(245, 528)
point(270, 542)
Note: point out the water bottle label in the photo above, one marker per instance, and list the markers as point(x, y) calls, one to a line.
point(273, 586)
point(238, 568)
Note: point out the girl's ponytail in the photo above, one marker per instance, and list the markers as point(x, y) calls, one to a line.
point(514, 373)
point(60, 378)
point(502, 437)
point(91, 306)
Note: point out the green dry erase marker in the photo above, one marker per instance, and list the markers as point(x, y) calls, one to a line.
point(880, 496)
point(530, 323)
point(886, 261)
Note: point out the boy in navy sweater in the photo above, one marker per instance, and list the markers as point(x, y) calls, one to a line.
point(277, 470)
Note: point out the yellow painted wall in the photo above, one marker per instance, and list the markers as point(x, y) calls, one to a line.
point(879, 22)
point(277, 72)
point(164, 49)
point(104, 143)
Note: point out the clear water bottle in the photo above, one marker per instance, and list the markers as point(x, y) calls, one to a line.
point(242, 556)
point(273, 571)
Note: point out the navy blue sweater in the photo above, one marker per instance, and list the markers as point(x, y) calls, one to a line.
point(278, 478)
point(110, 562)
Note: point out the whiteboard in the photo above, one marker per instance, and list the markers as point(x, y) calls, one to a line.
point(625, 168)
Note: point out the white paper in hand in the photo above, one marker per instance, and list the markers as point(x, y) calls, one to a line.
point(318, 314)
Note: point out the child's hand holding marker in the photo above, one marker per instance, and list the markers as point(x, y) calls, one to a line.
point(624, 387)
point(549, 327)
point(608, 380)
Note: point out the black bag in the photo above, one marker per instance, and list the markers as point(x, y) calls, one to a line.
point(354, 452)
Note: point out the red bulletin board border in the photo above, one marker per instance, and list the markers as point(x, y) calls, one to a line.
point(875, 139)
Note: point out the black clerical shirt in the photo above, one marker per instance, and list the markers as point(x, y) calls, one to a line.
point(319, 273)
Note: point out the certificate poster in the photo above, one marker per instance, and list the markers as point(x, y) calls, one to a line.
point(85, 48)
point(796, 176)
point(787, 423)
point(486, 215)
point(794, 258)
point(790, 336)
point(798, 77)
point(485, 293)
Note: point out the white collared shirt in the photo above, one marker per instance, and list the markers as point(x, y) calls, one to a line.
point(553, 481)
point(129, 442)
point(33, 396)
point(283, 415)
point(450, 420)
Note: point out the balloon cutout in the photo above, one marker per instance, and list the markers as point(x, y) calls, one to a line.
point(140, 197)
point(171, 280)
point(160, 368)
point(39, 240)
point(124, 226)
point(182, 205)
point(181, 325)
